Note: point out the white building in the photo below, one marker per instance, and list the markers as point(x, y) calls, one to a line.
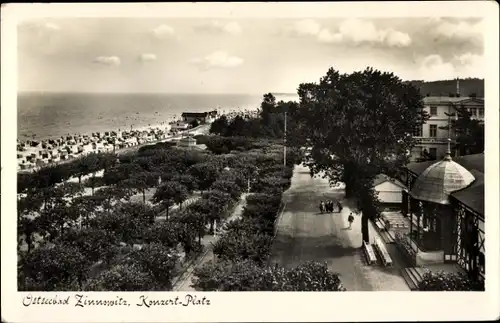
point(390, 191)
point(431, 138)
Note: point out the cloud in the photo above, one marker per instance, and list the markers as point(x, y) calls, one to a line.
point(215, 26)
point(360, 31)
point(325, 36)
point(306, 27)
point(147, 57)
point(163, 31)
point(434, 67)
point(351, 31)
point(218, 59)
point(108, 60)
point(460, 30)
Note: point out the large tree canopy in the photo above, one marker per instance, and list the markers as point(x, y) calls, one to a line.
point(358, 125)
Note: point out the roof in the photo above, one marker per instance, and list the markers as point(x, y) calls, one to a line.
point(195, 114)
point(439, 180)
point(470, 162)
point(473, 195)
point(446, 99)
point(381, 178)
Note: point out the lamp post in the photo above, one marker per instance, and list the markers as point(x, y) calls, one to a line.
point(284, 144)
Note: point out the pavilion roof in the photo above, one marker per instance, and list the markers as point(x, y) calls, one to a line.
point(473, 195)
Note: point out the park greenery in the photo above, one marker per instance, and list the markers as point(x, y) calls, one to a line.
point(142, 222)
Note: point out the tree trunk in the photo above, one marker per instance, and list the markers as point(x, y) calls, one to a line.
point(167, 213)
point(211, 226)
point(80, 179)
point(144, 196)
point(364, 228)
point(28, 242)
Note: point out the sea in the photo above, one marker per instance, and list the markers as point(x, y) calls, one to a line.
point(42, 115)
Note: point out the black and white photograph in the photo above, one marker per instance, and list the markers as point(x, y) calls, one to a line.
point(227, 152)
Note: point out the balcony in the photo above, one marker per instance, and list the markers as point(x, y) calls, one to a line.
point(431, 140)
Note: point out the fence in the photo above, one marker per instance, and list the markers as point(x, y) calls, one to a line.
point(278, 217)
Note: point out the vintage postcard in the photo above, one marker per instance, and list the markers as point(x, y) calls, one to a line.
point(226, 162)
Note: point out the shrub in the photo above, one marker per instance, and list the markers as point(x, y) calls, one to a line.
point(446, 281)
point(249, 276)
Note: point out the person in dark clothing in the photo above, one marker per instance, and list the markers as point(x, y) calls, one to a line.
point(350, 219)
point(339, 206)
point(322, 207)
point(330, 206)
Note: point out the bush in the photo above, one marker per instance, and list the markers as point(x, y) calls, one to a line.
point(248, 276)
point(123, 277)
point(445, 281)
point(242, 245)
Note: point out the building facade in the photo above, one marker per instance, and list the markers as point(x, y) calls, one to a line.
point(432, 138)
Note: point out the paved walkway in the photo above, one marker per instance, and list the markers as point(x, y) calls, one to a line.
point(184, 283)
point(306, 234)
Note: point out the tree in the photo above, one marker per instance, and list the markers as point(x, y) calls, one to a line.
point(217, 203)
point(359, 125)
point(195, 219)
point(228, 187)
point(122, 278)
point(88, 164)
point(445, 281)
point(236, 127)
point(195, 123)
point(243, 245)
point(170, 193)
point(141, 181)
point(267, 107)
point(248, 276)
point(120, 172)
point(94, 243)
point(164, 233)
point(187, 181)
point(113, 194)
point(219, 126)
point(159, 261)
point(125, 226)
point(54, 268)
point(205, 174)
point(469, 133)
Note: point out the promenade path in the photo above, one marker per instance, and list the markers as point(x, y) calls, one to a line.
point(186, 279)
point(304, 234)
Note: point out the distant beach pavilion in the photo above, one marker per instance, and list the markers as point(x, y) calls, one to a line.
point(201, 117)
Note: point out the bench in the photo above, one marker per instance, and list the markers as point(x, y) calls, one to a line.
point(380, 225)
point(382, 251)
point(369, 253)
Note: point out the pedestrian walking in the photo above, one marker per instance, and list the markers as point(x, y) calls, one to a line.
point(330, 206)
point(350, 219)
point(322, 207)
point(339, 206)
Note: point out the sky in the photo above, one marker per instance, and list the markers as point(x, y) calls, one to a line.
point(194, 55)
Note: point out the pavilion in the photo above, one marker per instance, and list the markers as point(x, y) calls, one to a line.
point(444, 202)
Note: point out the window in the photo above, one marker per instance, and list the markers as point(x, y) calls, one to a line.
point(481, 112)
point(473, 112)
point(432, 130)
point(417, 132)
point(433, 153)
point(434, 111)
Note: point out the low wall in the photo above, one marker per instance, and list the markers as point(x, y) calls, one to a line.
point(429, 258)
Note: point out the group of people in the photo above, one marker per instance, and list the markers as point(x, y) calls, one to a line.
point(327, 207)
